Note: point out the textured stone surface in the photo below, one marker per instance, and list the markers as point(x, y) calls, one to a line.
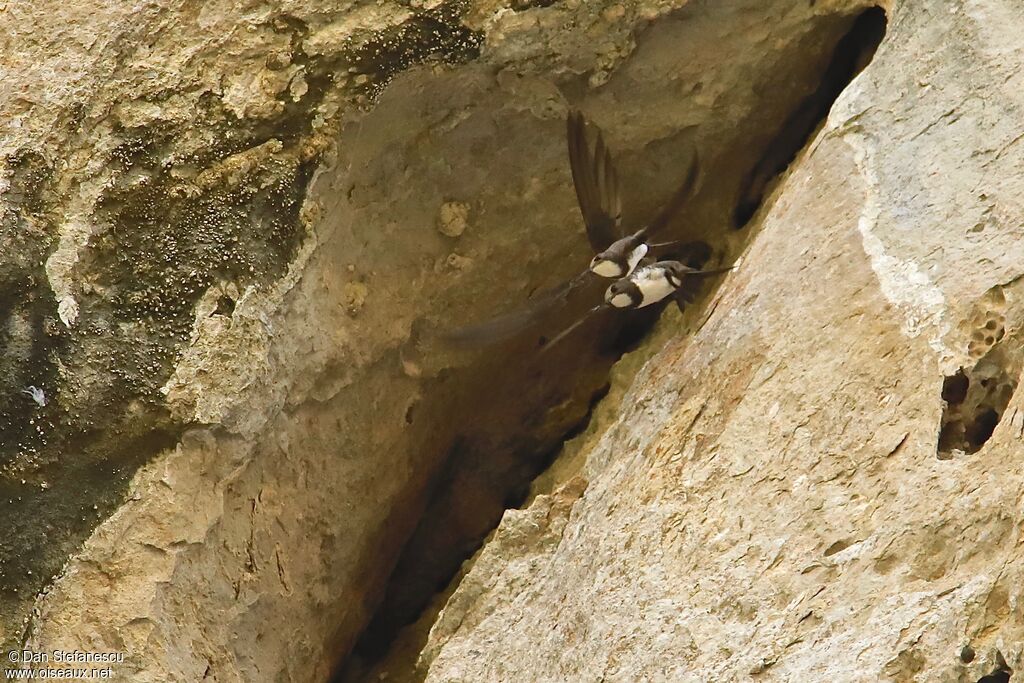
point(227, 280)
point(163, 282)
point(771, 502)
point(191, 303)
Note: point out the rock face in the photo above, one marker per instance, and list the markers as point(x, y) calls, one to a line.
point(773, 501)
point(225, 278)
point(227, 250)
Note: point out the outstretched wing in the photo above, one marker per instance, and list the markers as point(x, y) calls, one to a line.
point(682, 195)
point(600, 308)
point(492, 331)
point(597, 186)
point(508, 325)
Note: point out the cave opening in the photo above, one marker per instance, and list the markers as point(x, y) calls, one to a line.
point(484, 473)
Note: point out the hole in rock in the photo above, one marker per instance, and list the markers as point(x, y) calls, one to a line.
point(981, 428)
point(954, 388)
point(838, 547)
point(225, 306)
point(488, 429)
point(974, 401)
point(996, 677)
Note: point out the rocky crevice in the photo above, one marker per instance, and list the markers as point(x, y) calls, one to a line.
point(771, 479)
point(246, 233)
point(145, 213)
point(472, 483)
point(975, 397)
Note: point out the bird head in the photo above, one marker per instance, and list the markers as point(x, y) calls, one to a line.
point(605, 266)
point(623, 294)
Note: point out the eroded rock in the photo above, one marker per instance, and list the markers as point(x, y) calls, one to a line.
point(261, 418)
point(773, 501)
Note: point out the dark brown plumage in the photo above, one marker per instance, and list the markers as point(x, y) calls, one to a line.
point(617, 253)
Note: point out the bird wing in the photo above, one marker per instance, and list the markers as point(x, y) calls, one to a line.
point(597, 185)
point(567, 331)
point(681, 196)
point(491, 331)
point(713, 271)
point(505, 326)
point(686, 293)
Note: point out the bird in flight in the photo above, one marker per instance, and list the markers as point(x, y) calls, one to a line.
point(597, 191)
point(650, 283)
point(618, 253)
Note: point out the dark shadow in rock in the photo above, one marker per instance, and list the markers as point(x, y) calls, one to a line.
point(494, 461)
point(975, 397)
point(853, 52)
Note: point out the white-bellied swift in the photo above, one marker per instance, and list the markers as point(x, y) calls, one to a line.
point(617, 252)
point(650, 283)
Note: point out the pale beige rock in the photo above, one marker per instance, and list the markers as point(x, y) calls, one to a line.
point(769, 504)
point(356, 26)
point(255, 547)
point(453, 218)
point(786, 447)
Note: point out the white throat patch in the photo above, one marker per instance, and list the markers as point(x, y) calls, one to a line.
point(607, 269)
point(620, 300)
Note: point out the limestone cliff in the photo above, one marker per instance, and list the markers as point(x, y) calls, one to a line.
point(823, 480)
point(232, 232)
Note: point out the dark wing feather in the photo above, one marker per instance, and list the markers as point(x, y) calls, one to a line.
point(508, 325)
point(492, 331)
point(692, 284)
point(712, 271)
point(567, 331)
point(682, 195)
point(597, 185)
point(687, 293)
point(561, 293)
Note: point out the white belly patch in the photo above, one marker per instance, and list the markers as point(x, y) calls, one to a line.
point(654, 286)
point(635, 256)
